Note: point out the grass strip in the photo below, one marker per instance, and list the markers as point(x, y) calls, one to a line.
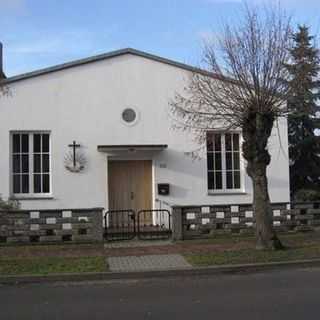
point(51, 265)
point(253, 256)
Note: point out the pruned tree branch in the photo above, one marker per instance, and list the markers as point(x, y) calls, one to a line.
point(244, 89)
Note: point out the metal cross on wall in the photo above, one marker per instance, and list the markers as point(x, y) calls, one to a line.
point(74, 146)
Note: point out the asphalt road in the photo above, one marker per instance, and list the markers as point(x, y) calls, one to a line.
point(290, 294)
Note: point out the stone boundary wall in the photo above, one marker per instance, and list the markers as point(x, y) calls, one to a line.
point(75, 225)
point(205, 221)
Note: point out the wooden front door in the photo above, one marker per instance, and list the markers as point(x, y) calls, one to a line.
point(130, 185)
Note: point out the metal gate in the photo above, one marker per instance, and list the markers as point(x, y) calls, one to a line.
point(120, 225)
point(160, 228)
point(145, 224)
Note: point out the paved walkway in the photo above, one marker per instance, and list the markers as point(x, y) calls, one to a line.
point(147, 263)
point(136, 243)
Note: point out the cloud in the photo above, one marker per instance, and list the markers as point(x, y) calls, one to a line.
point(66, 42)
point(42, 46)
point(33, 50)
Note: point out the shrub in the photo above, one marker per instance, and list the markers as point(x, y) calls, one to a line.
point(9, 204)
point(307, 195)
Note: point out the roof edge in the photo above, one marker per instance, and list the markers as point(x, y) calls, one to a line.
point(104, 56)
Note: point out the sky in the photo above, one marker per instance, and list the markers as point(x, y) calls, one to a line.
point(42, 33)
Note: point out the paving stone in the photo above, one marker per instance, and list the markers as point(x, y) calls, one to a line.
point(147, 263)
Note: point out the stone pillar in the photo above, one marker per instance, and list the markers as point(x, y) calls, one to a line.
point(177, 226)
point(97, 224)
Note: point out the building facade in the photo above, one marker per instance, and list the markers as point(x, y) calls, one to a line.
point(98, 133)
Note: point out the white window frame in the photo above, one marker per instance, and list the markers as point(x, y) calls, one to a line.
point(224, 189)
point(31, 193)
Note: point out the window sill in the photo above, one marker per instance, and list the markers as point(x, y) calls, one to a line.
point(226, 193)
point(22, 198)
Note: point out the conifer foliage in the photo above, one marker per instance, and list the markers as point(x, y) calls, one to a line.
point(304, 144)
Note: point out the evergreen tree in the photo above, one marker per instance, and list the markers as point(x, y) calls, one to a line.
point(304, 144)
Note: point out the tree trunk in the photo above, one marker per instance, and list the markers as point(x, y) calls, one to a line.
point(266, 238)
point(256, 133)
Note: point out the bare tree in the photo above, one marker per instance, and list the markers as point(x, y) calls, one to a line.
point(243, 89)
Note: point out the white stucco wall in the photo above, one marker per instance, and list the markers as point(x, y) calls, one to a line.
point(84, 103)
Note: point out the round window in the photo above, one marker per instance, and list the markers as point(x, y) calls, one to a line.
point(129, 115)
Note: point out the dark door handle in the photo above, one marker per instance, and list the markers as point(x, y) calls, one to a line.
point(132, 195)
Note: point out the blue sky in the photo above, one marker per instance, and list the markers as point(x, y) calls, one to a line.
point(42, 33)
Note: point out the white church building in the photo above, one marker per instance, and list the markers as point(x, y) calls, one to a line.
point(97, 132)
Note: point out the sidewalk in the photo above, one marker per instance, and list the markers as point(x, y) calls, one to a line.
point(148, 263)
point(139, 259)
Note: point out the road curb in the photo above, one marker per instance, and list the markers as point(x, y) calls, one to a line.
point(138, 275)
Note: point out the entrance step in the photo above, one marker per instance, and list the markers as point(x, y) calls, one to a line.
point(136, 243)
point(147, 263)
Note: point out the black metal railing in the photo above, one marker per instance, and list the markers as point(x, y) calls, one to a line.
point(145, 224)
point(158, 228)
point(120, 224)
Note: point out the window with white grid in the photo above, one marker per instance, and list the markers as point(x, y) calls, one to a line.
point(30, 163)
point(223, 161)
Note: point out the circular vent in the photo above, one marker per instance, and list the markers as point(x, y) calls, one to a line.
point(129, 115)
